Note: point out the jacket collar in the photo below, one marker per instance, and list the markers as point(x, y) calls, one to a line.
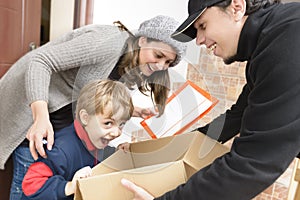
point(82, 134)
point(251, 32)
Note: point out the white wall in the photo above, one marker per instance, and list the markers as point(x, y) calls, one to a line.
point(62, 17)
point(132, 12)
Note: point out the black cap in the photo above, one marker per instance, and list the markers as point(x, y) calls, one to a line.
point(186, 31)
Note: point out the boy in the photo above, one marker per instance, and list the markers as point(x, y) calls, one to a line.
point(102, 109)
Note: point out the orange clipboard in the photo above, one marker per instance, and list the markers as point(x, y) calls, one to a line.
point(184, 107)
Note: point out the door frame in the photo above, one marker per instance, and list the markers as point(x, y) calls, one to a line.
point(83, 12)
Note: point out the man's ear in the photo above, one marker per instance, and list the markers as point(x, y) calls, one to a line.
point(239, 9)
point(83, 117)
point(142, 41)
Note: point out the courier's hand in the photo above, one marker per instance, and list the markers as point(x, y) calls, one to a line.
point(143, 112)
point(82, 173)
point(139, 193)
point(41, 128)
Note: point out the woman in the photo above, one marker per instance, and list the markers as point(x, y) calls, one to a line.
point(46, 81)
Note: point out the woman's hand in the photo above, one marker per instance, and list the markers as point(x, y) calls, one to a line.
point(143, 112)
point(125, 146)
point(139, 193)
point(41, 128)
point(81, 173)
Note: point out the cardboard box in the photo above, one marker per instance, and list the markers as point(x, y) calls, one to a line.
point(184, 107)
point(157, 165)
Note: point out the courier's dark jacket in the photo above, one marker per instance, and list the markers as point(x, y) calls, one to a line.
point(46, 178)
point(267, 113)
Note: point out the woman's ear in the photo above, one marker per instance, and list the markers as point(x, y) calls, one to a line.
point(239, 9)
point(142, 41)
point(83, 117)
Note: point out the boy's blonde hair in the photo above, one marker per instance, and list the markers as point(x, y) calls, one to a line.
point(108, 96)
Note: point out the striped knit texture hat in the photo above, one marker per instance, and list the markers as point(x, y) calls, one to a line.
point(160, 28)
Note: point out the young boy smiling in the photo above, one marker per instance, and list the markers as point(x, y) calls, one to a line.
point(102, 109)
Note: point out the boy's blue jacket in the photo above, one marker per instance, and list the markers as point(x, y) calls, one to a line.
point(72, 150)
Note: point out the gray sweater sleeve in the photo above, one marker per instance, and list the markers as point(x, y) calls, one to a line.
point(84, 47)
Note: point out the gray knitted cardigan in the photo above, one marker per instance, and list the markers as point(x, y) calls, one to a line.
point(54, 73)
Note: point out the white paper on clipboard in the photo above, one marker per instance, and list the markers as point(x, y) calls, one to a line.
point(188, 104)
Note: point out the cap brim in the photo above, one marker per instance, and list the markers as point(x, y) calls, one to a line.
point(186, 31)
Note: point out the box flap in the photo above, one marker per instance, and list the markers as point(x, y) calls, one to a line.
point(203, 151)
point(77, 194)
point(162, 150)
point(144, 153)
point(120, 160)
point(195, 148)
point(156, 178)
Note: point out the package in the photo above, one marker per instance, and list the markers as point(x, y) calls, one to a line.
point(157, 165)
point(186, 106)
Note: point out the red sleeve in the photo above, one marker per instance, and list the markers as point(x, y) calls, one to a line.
point(36, 176)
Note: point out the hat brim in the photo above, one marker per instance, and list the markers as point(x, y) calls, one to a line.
point(186, 32)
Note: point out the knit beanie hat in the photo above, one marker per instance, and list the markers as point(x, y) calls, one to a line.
point(160, 28)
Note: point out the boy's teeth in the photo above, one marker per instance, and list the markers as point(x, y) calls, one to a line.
point(151, 68)
point(213, 47)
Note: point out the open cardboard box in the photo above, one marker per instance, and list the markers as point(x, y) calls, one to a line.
point(157, 165)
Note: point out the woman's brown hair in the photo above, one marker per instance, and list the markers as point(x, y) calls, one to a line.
point(158, 84)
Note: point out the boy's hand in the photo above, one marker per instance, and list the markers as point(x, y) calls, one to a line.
point(81, 173)
point(125, 146)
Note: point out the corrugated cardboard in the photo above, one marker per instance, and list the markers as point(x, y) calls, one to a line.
point(158, 165)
